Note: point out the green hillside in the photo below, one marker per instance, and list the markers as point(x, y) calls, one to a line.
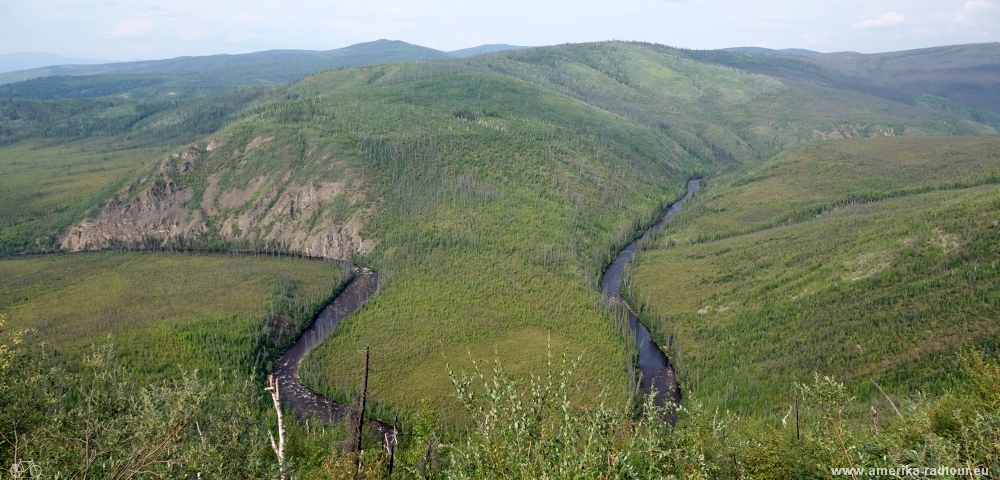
point(871, 260)
point(481, 189)
point(489, 193)
point(717, 112)
point(965, 74)
point(60, 159)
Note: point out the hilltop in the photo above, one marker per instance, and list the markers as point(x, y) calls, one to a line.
point(846, 226)
point(481, 188)
point(484, 49)
point(198, 75)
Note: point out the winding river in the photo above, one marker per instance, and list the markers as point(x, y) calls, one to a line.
point(294, 393)
point(656, 372)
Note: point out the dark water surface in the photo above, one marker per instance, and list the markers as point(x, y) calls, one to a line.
point(657, 373)
point(301, 399)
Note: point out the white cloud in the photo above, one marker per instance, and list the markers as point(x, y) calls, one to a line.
point(888, 20)
point(972, 12)
point(133, 27)
point(631, 9)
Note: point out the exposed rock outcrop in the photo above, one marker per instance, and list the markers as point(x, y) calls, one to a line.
point(323, 219)
point(157, 212)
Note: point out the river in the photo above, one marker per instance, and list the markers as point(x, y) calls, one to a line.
point(656, 372)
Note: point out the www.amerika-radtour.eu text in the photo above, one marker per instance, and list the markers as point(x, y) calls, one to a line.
point(911, 472)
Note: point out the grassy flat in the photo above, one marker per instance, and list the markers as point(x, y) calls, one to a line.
point(880, 290)
point(163, 311)
point(45, 187)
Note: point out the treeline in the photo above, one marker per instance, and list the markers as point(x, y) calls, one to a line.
point(141, 121)
point(134, 85)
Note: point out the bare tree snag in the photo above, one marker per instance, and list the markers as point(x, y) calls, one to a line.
point(361, 412)
point(391, 440)
point(279, 448)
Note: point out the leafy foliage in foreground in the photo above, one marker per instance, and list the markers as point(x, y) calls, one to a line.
point(182, 393)
point(102, 423)
point(528, 429)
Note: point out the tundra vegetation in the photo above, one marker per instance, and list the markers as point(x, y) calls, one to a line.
point(489, 193)
point(872, 259)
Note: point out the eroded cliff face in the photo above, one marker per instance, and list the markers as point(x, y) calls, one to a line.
point(202, 192)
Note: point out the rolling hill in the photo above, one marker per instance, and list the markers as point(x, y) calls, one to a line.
point(484, 49)
point(481, 188)
point(964, 74)
point(771, 51)
point(847, 225)
point(872, 260)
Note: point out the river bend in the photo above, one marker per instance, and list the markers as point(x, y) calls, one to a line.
point(656, 371)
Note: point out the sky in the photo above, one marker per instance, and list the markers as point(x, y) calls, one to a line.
point(154, 29)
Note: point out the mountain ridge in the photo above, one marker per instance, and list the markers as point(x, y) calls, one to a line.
point(18, 61)
point(268, 66)
point(485, 49)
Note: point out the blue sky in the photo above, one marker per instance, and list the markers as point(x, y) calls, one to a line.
point(150, 29)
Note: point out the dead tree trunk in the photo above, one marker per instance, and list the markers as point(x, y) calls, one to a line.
point(391, 440)
point(797, 434)
point(361, 411)
point(279, 448)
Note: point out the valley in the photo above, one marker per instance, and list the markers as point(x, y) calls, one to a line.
point(838, 226)
point(874, 258)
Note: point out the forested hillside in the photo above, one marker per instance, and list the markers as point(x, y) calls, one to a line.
point(841, 229)
point(61, 158)
point(960, 79)
point(873, 260)
point(479, 180)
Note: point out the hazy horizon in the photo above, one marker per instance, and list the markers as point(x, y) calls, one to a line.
point(147, 29)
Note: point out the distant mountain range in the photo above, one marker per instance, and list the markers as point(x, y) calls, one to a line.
point(12, 62)
point(768, 51)
point(484, 49)
point(958, 79)
point(269, 66)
